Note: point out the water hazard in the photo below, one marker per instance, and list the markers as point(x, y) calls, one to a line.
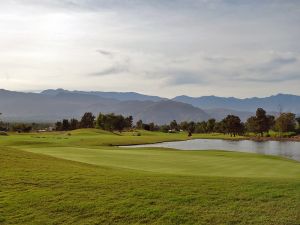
point(286, 149)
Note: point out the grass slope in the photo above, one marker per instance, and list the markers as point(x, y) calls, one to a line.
point(37, 189)
point(108, 185)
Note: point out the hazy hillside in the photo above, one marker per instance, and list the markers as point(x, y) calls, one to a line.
point(39, 107)
point(220, 113)
point(170, 110)
point(276, 103)
point(51, 107)
point(122, 96)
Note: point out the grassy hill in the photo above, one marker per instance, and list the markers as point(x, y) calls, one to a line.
point(81, 178)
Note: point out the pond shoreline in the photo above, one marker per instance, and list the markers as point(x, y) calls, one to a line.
point(282, 139)
point(239, 138)
point(251, 138)
point(286, 149)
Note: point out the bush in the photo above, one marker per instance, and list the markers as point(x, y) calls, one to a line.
point(289, 134)
point(137, 134)
point(2, 133)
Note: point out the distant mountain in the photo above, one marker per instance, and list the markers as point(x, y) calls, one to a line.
point(159, 112)
point(276, 103)
point(122, 96)
point(21, 106)
point(220, 113)
point(52, 106)
point(170, 110)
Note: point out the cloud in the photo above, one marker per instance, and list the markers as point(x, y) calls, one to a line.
point(279, 61)
point(183, 46)
point(183, 77)
point(105, 53)
point(114, 70)
point(275, 78)
point(273, 64)
point(217, 59)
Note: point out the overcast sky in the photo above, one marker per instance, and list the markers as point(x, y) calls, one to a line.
point(236, 48)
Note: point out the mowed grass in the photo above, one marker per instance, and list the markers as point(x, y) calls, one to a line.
point(83, 178)
point(204, 163)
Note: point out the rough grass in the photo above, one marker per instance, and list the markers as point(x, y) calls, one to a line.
point(148, 186)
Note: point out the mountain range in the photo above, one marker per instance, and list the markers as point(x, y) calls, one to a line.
point(276, 103)
point(51, 105)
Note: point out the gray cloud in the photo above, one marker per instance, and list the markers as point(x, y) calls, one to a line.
point(274, 64)
point(114, 70)
point(217, 59)
point(215, 45)
point(273, 79)
point(105, 53)
point(184, 77)
point(279, 61)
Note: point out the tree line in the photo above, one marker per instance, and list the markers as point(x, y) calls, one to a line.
point(23, 127)
point(259, 124)
point(110, 122)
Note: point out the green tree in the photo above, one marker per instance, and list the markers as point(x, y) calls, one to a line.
point(211, 123)
point(139, 124)
point(191, 128)
point(112, 122)
point(74, 124)
point(165, 128)
point(286, 122)
point(58, 126)
point(87, 120)
point(129, 122)
point(260, 123)
point(174, 125)
point(201, 127)
point(233, 125)
point(220, 127)
point(65, 125)
point(3, 126)
point(298, 121)
point(298, 124)
point(184, 125)
point(271, 121)
point(100, 121)
point(151, 126)
point(251, 124)
point(119, 123)
point(21, 127)
point(109, 121)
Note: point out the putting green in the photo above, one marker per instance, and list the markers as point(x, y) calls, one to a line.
point(201, 163)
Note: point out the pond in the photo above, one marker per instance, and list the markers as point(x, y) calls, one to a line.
point(286, 149)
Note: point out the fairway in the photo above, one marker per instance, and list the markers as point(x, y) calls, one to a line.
point(204, 163)
point(81, 177)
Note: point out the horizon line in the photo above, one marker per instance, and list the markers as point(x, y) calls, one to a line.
point(150, 95)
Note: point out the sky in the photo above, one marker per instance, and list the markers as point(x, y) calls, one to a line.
point(235, 48)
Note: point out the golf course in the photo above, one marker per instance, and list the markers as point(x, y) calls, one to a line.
point(83, 177)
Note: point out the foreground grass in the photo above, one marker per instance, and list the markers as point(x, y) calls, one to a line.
point(107, 185)
point(37, 189)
